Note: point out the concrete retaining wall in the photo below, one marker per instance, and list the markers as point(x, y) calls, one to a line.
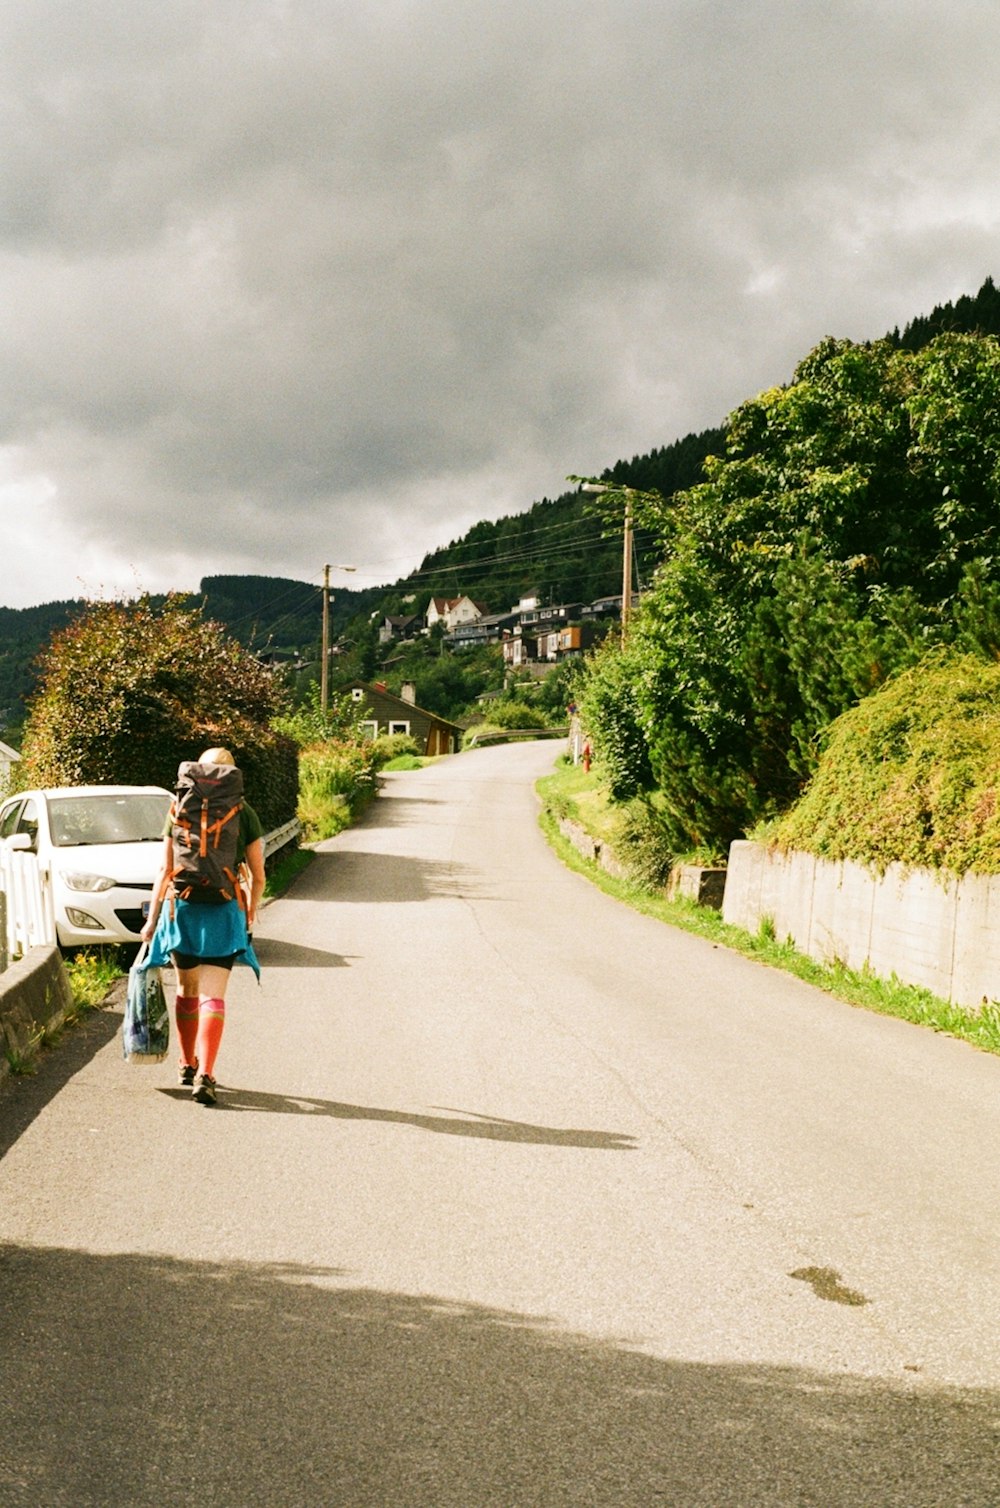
point(938, 931)
point(35, 998)
point(694, 882)
point(691, 881)
point(592, 848)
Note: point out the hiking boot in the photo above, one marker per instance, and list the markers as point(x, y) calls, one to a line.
point(205, 1092)
point(186, 1074)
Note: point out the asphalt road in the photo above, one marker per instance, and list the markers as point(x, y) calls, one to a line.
point(513, 1199)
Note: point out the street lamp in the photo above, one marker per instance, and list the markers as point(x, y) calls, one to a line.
point(324, 668)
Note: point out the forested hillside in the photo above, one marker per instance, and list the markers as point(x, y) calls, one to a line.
point(562, 549)
point(23, 631)
point(978, 315)
point(276, 613)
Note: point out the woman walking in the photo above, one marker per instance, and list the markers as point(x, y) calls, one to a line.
point(203, 930)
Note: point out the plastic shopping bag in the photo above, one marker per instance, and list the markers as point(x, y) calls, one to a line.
point(146, 1028)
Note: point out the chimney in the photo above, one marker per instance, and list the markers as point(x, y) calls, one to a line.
point(408, 692)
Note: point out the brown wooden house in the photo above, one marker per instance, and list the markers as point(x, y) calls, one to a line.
point(382, 712)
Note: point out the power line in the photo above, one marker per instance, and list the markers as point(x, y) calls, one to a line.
point(584, 531)
point(528, 556)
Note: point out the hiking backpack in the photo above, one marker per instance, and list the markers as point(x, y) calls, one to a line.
point(205, 832)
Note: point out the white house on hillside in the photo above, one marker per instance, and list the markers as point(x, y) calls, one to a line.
point(452, 611)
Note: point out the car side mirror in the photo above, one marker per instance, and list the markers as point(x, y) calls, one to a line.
point(21, 842)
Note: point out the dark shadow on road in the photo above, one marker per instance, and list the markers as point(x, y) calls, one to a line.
point(402, 811)
point(450, 1123)
point(274, 953)
point(25, 1096)
point(348, 875)
point(133, 1380)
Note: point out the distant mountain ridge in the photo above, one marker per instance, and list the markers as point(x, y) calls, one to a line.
point(556, 548)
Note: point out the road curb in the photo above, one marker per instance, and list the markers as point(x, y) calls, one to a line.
point(35, 998)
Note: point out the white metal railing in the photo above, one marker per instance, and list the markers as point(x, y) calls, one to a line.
point(280, 836)
point(30, 920)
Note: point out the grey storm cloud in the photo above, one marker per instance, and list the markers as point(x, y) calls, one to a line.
point(289, 282)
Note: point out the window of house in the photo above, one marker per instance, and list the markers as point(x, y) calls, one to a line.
point(357, 694)
point(369, 728)
point(399, 728)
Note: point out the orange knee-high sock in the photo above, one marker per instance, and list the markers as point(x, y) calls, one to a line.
point(211, 1020)
point(186, 1012)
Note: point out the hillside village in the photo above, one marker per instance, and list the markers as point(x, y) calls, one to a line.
point(530, 633)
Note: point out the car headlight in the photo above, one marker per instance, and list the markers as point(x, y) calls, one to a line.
point(91, 882)
point(83, 920)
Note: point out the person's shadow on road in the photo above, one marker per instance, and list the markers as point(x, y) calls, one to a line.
point(275, 953)
point(449, 1123)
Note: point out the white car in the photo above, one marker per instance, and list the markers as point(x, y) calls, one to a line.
point(101, 846)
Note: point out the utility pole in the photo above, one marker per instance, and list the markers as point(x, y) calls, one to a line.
point(627, 493)
point(324, 664)
point(324, 668)
point(627, 562)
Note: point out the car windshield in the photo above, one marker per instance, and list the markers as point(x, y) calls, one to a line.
point(126, 818)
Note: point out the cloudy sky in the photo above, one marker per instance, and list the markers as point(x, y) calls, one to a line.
point(287, 282)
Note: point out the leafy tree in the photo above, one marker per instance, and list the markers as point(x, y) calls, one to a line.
point(449, 684)
point(446, 682)
point(129, 689)
point(610, 711)
point(977, 611)
point(559, 688)
point(310, 724)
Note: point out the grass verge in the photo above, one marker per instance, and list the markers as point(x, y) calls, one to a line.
point(91, 975)
point(888, 997)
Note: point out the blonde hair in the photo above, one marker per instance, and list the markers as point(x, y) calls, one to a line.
point(216, 756)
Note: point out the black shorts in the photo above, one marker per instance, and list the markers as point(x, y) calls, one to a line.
point(190, 961)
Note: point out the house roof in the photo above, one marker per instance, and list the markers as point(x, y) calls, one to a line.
point(7, 753)
point(373, 689)
point(445, 604)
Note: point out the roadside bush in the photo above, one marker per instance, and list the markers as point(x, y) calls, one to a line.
point(336, 782)
point(128, 690)
point(611, 717)
point(311, 724)
point(643, 845)
point(270, 765)
point(511, 713)
point(848, 525)
point(391, 746)
point(912, 774)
